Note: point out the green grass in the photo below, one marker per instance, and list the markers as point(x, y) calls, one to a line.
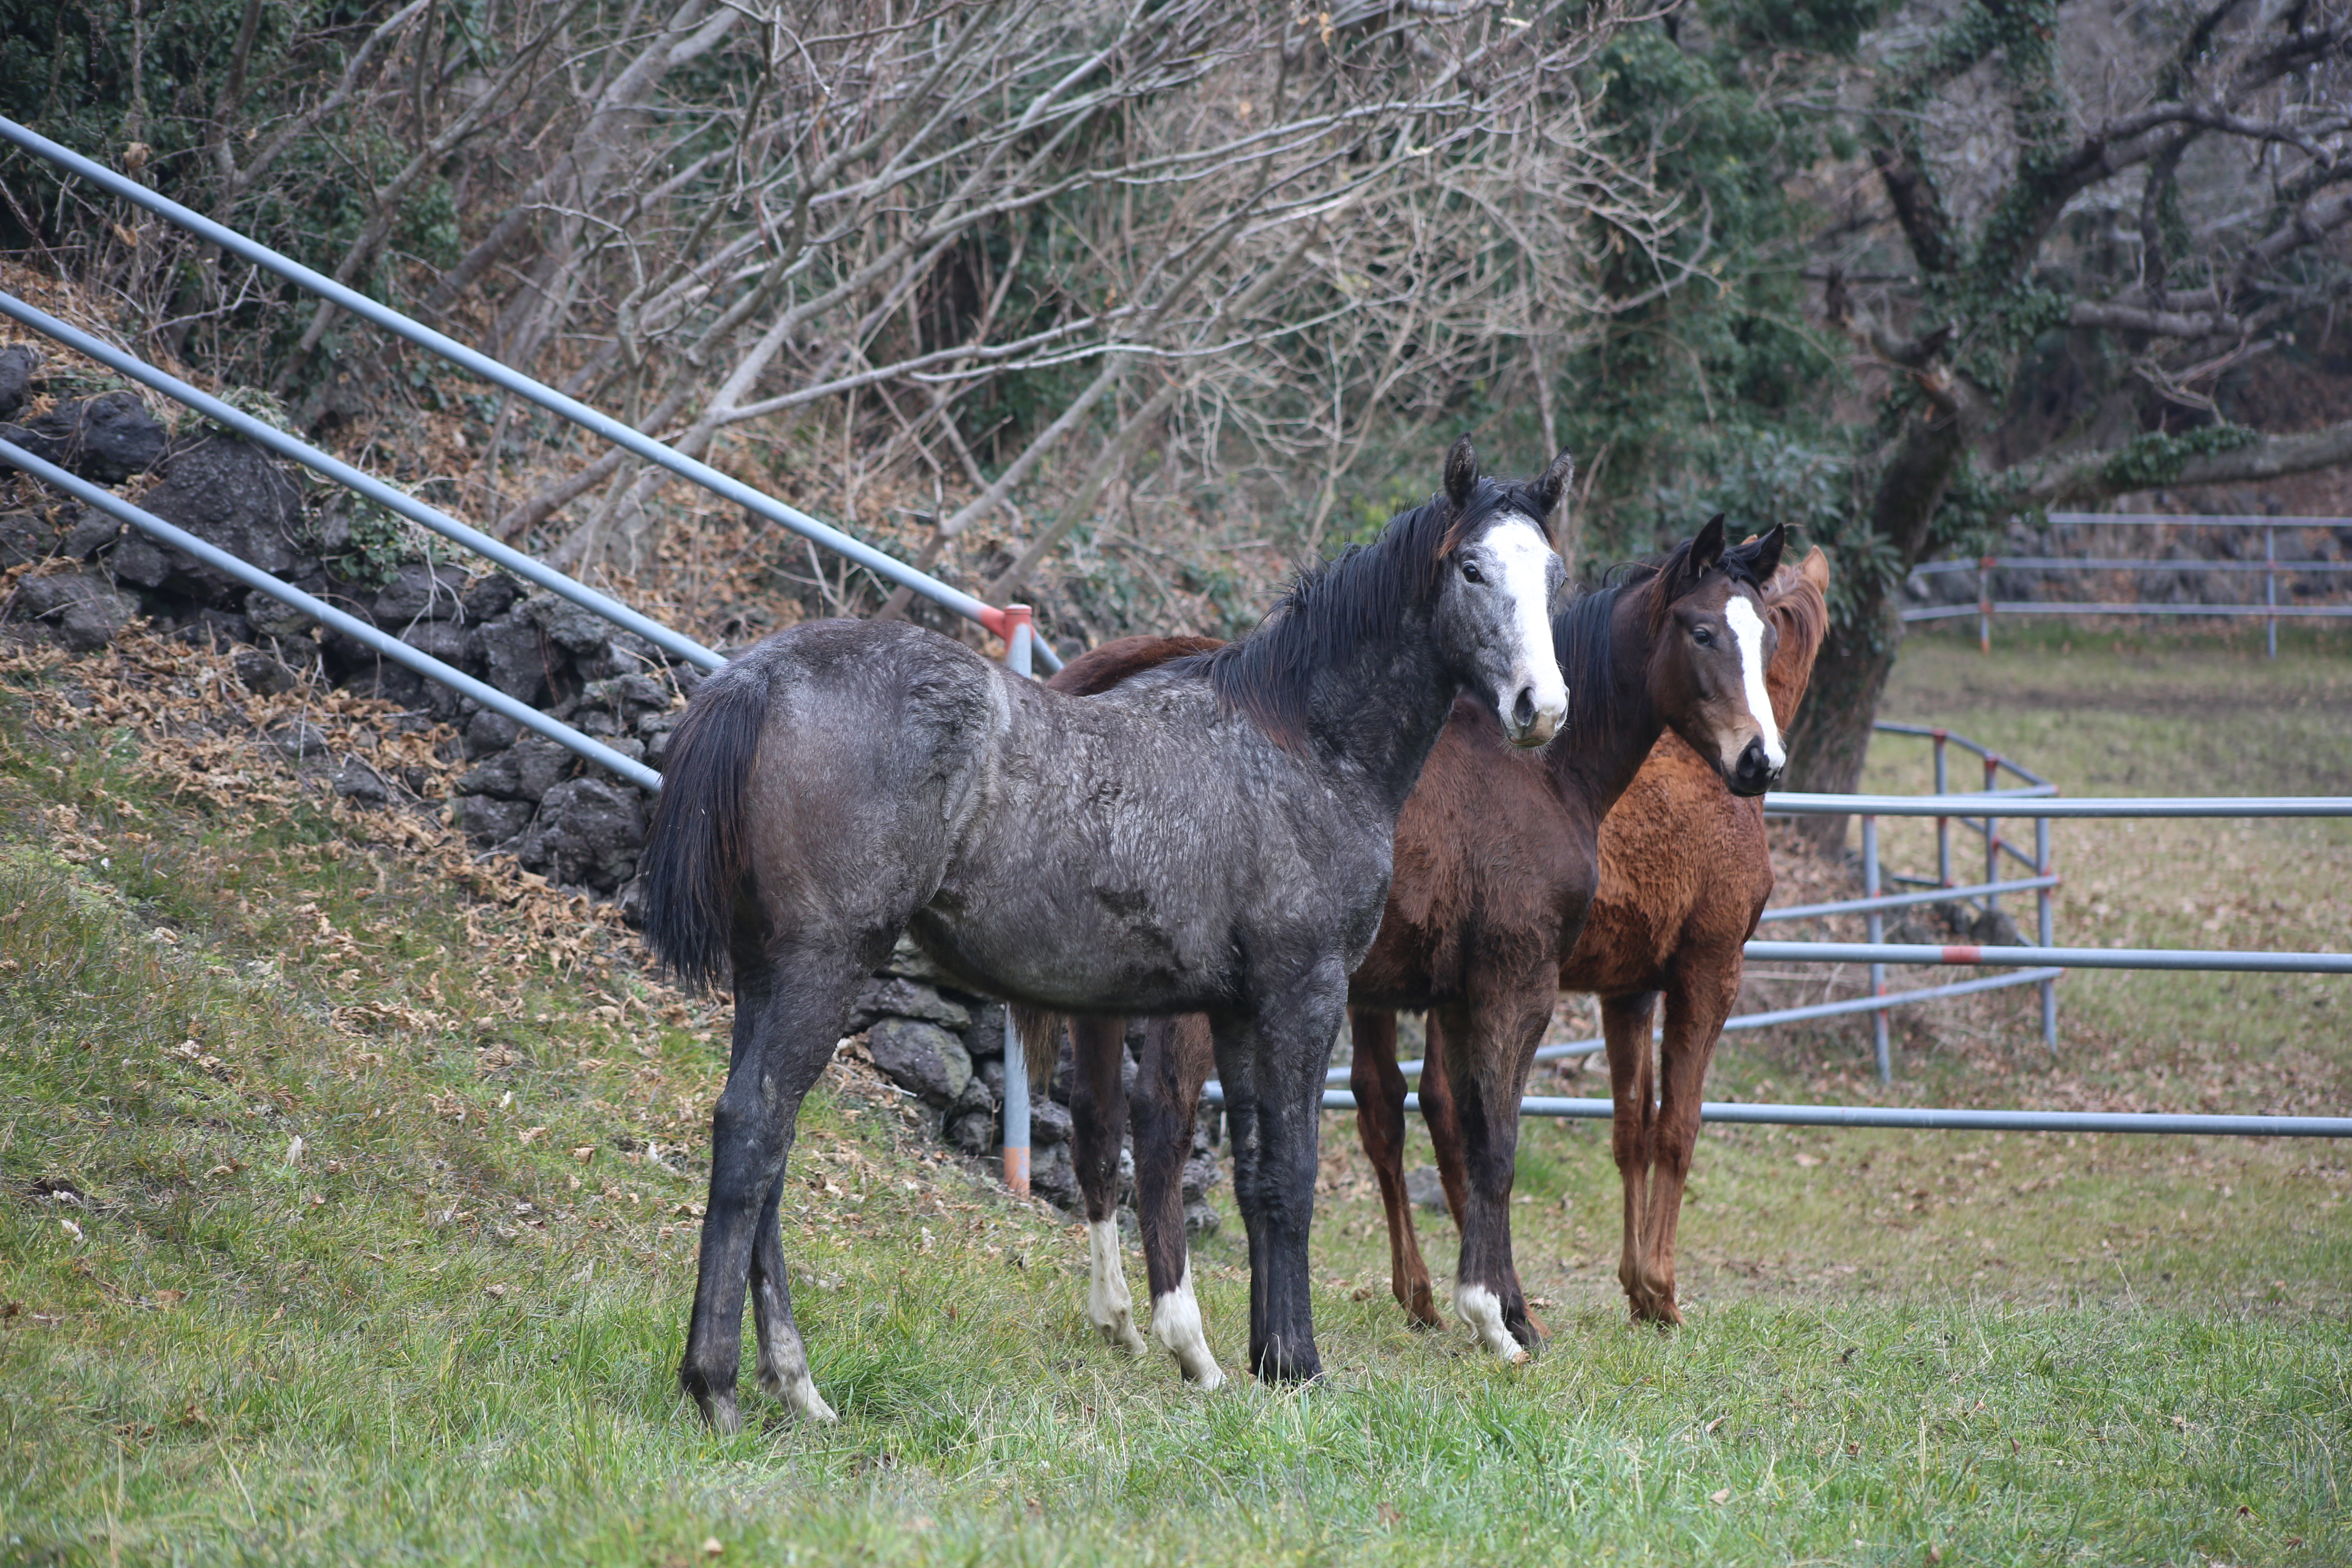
point(1989, 1349)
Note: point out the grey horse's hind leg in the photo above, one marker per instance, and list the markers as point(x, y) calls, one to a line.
point(1097, 1118)
point(784, 1368)
point(788, 1011)
point(1176, 1061)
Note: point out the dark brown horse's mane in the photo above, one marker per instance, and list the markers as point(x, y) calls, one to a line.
point(1335, 608)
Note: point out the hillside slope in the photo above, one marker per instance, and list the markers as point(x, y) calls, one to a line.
point(347, 1203)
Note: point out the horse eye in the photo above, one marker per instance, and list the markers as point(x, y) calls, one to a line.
point(1470, 571)
point(1702, 636)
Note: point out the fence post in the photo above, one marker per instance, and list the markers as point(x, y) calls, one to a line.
point(1984, 604)
point(1877, 923)
point(1992, 836)
point(2270, 584)
point(1943, 824)
point(2041, 931)
point(1019, 630)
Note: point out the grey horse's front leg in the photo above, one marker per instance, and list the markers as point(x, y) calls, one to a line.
point(1275, 1125)
point(788, 1018)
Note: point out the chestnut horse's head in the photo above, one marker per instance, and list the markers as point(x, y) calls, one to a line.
point(1711, 646)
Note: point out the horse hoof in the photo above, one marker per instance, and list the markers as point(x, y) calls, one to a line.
point(1119, 1333)
point(1207, 1375)
point(719, 1410)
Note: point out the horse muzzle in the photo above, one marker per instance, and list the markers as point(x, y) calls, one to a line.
point(1752, 772)
point(1530, 723)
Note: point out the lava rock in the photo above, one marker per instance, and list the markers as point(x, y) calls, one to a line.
point(985, 1036)
point(491, 598)
point(588, 832)
point(274, 617)
point(106, 439)
point(227, 493)
point(1200, 1222)
point(17, 365)
point(488, 820)
point(631, 699)
point(512, 655)
point(441, 639)
point(1049, 1124)
point(83, 611)
point(976, 1096)
point(973, 1131)
point(420, 592)
point(275, 667)
point(619, 655)
point(358, 782)
point(23, 538)
point(528, 769)
point(1201, 1173)
point(92, 532)
point(488, 732)
point(217, 629)
point(298, 740)
point(893, 997)
point(1422, 1186)
point(908, 961)
point(568, 626)
point(1053, 1177)
point(921, 1058)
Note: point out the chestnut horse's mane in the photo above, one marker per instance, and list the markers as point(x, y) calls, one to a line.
point(1797, 605)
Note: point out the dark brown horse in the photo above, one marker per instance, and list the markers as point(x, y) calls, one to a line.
point(1685, 872)
point(1496, 864)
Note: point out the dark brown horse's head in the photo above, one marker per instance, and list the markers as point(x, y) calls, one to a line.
point(1710, 646)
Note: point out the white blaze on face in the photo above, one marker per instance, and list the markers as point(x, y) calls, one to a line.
point(1483, 1310)
point(1108, 1305)
point(1748, 631)
point(1176, 1323)
point(1526, 560)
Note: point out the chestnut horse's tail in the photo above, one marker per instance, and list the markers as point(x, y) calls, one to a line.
point(697, 851)
point(1041, 1044)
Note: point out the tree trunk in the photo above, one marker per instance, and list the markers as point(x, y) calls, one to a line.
point(1831, 738)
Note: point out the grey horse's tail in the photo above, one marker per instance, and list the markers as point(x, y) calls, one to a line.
point(1041, 1044)
point(697, 851)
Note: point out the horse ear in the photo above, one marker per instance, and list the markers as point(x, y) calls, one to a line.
point(1764, 554)
point(1706, 549)
point(1462, 472)
point(1552, 491)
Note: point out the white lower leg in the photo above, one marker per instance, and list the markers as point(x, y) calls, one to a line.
point(1176, 1323)
point(1108, 1305)
point(785, 1372)
point(1483, 1310)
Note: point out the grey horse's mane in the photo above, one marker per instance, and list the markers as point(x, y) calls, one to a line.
point(1335, 608)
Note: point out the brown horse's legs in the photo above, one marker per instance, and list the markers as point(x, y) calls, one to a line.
point(1380, 1126)
point(1625, 1023)
point(1489, 1055)
point(1097, 1122)
point(1694, 1014)
point(1441, 1116)
point(789, 1013)
point(1177, 1059)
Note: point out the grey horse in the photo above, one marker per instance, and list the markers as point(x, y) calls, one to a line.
point(1214, 837)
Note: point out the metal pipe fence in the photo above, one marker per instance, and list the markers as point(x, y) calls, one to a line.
point(351, 625)
point(1987, 607)
point(628, 437)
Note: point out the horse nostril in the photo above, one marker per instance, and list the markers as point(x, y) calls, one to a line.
point(1523, 711)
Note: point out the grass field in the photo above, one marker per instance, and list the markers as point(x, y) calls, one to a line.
point(348, 1196)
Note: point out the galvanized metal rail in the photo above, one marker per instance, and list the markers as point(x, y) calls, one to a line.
point(351, 625)
point(628, 437)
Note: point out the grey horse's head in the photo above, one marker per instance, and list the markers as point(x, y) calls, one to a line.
point(1497, 579)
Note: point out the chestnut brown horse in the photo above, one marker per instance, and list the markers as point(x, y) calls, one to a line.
point(1685, 872)
point(1496, 864)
